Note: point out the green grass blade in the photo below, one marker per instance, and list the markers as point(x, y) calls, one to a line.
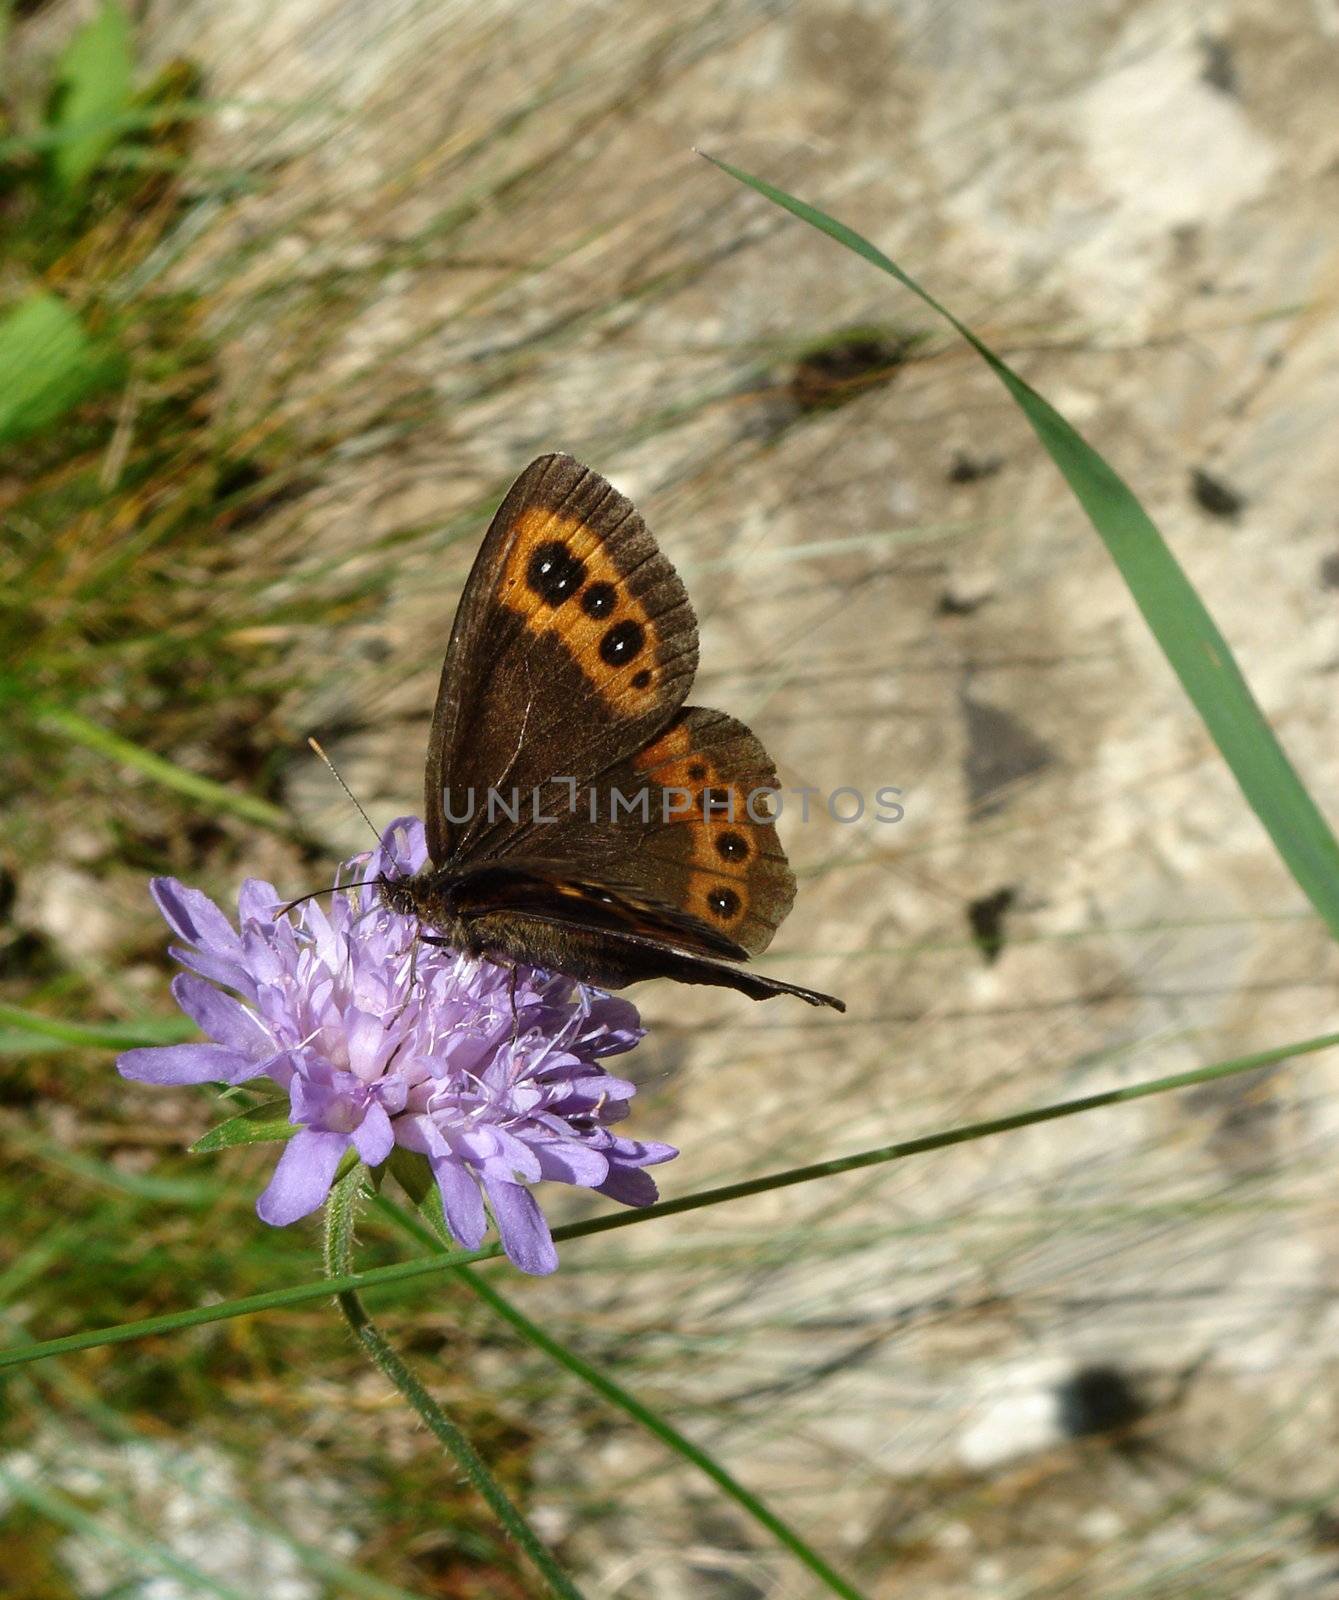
point(78, 729)
point(627, 1402)
point(1180, 623)
point(404, 1271)
point(94, 88)
point(28, 1031)
point(65, 1511)
point(48, 364)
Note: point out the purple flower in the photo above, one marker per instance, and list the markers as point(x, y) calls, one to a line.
point(382, 1040)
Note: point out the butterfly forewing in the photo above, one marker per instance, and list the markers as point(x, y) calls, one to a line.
point(574, 644)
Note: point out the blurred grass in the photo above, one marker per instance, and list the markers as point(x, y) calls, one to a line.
point(144, 629)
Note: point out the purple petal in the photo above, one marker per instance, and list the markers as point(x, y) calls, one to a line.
point(264, 955)
point(404, 848)
point(630, 1186)
point(217, 968)
point(641, 1152)
point(366, 1039)
point(187, 1063)
point(567, 1161)
point(374, 1136)
point(258, 901)
point(525, 1234)
point(612, 1027)
point(225, 1020)
point(462, 1203)
point(194, 916)
point(303, 1177)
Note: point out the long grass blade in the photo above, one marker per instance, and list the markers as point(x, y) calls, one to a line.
point(25, 1032)
point(404, 1271)
point(1178, 618)
point(72, 726)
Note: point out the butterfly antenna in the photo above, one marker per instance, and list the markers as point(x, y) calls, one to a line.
point(335, 888)
point(334, 773)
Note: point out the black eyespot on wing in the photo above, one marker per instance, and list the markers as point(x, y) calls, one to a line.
point(622, 643)
point(641, 680)
point(554, 573)
point(599, 599)
point(697, 772)
point(722, 903)
point(731, 846)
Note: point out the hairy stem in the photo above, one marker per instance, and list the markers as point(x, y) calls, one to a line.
point(340, 1216)
point(627, 1402)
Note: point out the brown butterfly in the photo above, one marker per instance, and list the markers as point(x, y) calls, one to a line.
point(572, 653)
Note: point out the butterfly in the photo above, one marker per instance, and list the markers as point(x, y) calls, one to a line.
point(579, 816)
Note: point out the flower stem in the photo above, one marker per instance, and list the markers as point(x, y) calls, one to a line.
point(614, 1392)
point(340, 1216)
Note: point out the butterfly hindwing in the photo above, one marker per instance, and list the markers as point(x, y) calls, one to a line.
point(692, 831)
point(712, 849)
point(574, 643)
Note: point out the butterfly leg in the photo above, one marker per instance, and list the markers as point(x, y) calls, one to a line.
point(511, 995)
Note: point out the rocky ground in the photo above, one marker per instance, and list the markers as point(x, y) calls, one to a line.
point(1093, 1358)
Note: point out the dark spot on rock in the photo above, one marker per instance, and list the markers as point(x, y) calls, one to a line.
point(697, 772)
point(731, 846)
point(1098, 1399)
point(622, 643)
point(724, 903)
point(642, 679)
point(846, 365)
point(1211, 494)
point(985, 917)
point(1329, 572)
point(599, 600)
point(1243, 1118)
point(1325, 1529)
point(966, 468)
point(554, 573)
point(1220, 68)
point(1001, 753)
point(951, 604)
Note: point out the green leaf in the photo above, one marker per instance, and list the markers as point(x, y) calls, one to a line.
point(267, 1124)
point(48, 364)
point(1177, 616)
point(94, 90)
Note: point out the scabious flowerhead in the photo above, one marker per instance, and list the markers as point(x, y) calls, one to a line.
point(381, 1040)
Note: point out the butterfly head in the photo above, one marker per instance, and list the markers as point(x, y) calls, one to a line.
point(431, 896)
point(400, 895)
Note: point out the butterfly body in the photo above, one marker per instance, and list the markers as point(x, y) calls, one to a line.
point(579, 816)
